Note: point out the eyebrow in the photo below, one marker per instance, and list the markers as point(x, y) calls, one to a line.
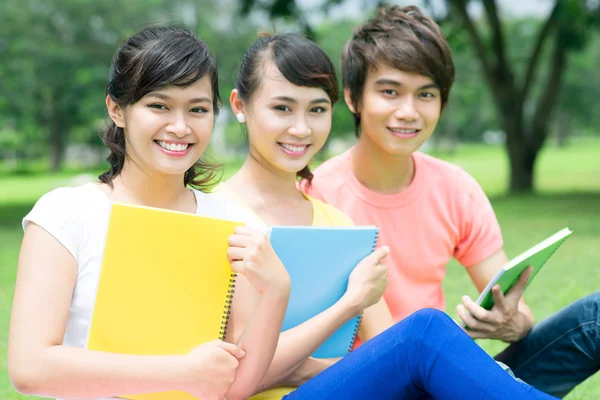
point(163, 96)
point(392, 82)
point(294, 101)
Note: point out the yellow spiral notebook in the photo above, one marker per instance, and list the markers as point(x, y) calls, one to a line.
point(165, 285)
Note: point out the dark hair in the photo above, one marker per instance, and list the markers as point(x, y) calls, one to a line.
point(403, 38)
point(299, 60)
point(154, 58)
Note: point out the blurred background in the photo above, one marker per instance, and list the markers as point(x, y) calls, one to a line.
point(522, 118)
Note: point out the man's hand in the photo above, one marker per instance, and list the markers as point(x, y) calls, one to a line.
point(504, 321)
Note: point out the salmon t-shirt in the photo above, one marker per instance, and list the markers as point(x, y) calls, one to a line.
point(444, 213)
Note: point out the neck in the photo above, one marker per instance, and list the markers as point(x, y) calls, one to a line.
point(154, 190)
point(380, 171)
point(259, 180)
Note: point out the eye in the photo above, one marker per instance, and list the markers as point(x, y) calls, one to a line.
point(199, 110)
point(318, 110)
point(282, 108)
point(389, 92)
point(427, 95)
point(158, 106)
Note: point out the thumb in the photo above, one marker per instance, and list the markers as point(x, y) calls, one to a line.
point(231, 349)
point(379, 254)
point(517, 290)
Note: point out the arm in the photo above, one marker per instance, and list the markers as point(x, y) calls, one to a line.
point(264, 285)
point(510, 319)
point(39, 364)
point(365, 287)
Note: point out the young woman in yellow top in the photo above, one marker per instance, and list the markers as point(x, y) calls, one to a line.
point(287, 112)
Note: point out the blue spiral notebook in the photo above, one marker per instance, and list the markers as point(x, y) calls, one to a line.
point(319, 261)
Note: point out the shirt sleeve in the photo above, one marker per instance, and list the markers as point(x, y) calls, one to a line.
point(479, 232)
point(54, 212)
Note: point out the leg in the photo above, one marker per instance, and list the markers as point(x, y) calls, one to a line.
point(426, 355)
point(562, 351)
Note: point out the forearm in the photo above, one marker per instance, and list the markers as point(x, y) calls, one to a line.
point(259, 339)
point(297, 344)
point(308, 369)
point(69, 372)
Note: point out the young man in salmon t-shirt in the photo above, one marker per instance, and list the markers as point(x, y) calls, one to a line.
point(397, 71)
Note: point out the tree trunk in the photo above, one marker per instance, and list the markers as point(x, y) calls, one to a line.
point(522, 162)
point(57, 136)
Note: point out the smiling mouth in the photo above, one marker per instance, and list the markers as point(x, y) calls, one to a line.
point(403, 131)
point(178, 147)
point(294, 148)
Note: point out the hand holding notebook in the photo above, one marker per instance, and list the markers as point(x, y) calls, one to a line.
point(511, 280)
point(248, 252)
point(320, 261)
point(368, 280)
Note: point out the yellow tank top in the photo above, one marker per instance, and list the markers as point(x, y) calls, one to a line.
point(323, 215)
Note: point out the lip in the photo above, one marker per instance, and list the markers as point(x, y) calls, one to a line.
point(291, 152)
point(404, 135)
point(172, 153)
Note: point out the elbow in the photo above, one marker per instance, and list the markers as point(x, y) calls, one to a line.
point(239, 394)
point(23, 379)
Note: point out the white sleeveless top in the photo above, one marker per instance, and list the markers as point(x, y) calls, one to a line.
point(78, 218)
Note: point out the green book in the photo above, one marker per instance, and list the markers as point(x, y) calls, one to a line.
point(509, 274)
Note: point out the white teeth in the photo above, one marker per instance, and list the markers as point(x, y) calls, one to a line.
point(173, 146)
point(295, 149)
point(403, 130)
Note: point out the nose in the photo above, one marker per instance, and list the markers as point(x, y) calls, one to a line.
point(178, 125)
point(406, 110)
point(300, 128)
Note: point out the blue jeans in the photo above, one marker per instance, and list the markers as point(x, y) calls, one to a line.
point(423, 356)
point(560, 352)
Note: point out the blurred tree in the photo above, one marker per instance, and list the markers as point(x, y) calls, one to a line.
point(524, 118)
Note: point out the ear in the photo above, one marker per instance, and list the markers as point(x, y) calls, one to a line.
point(237, 105)
point(115, 112)
point(348, 100)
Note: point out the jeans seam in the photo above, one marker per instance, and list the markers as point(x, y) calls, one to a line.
point(543, 349)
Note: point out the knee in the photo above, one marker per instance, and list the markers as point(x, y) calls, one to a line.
point(590, 306)
point(431, 316)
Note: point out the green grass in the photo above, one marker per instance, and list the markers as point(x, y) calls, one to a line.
point(568, 194)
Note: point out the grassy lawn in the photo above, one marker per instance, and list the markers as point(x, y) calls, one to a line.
point(568, 195)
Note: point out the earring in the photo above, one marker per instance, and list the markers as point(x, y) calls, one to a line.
point(241, 118)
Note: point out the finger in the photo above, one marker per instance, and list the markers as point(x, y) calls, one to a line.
point(237, 240)
point(477, 311)
point(238, 267)
point(231, 349)
point(236, 254)
point(516, 292)
point(379, 254)
point(471, 321)
point(477, 334)
point(244, 230)
point(499, 299)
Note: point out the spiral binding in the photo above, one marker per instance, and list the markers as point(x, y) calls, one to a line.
point(358, 320)
point(227, 308)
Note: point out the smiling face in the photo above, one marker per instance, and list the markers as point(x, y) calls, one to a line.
point(398, 110)
point(168, 129)
point(287, 124)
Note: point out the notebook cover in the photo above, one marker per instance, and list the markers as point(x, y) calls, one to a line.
point(319, 261)
point(165, 285)
point(536, 257)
